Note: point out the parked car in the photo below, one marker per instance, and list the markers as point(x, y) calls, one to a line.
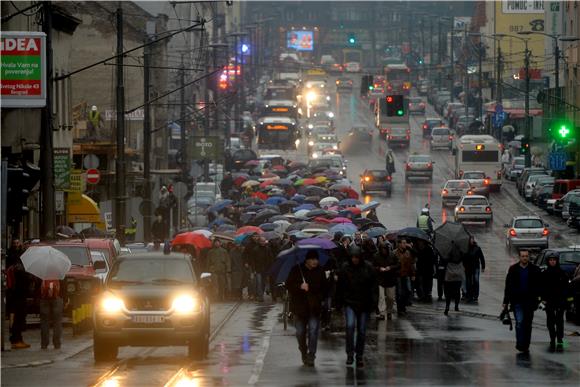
point(515, 168)
point(562, 205)
point(441, 137)
point(531, 183)
point(527, 231)
point(375, 180)
point(453, 191)
point(563, 186)
point(521, 180)
point(152, 299)
point(544, 195)
point(103, 267)
point(540, 182)
point(419, 166)
point(474, 208)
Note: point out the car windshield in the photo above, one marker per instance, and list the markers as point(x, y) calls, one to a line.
point(570, 257)
point(528, 223)
point(378, 174)
point(78, 255)
point(440, 132)
point(474, 175)
point(546, 180)
point(161, 271)
point(105, 252)
point(419, 159)
point(399, 131)
point(475, 202)
point(414, 100)
point(457, 184)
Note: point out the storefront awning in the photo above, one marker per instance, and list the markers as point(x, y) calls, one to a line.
point(82, 209)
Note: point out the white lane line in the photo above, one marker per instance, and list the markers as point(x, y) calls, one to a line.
point(259, 365)
point(410, 330)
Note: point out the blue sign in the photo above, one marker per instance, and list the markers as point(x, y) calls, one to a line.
point(558, 160)
point(498, 119)
point(498, 108)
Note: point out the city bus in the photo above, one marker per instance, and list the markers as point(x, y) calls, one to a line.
point(397, 78)
point(479, 153)
point(282, 108)
point(277, 132)
point(385, 123)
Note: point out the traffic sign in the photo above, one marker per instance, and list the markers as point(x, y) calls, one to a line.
point(206, 147)
point(498, 118)
point(93, 176)
point(498, 108)
point(558, 160)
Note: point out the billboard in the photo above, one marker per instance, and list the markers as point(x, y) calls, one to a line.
point(300, 40)
point(23, 64)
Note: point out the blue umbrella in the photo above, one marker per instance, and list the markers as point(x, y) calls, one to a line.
point(275, 200)
point(269, 226)
point(219, 222)
point(306, 206)
point(299, 234)
point(219, 206)
point(287, 259)
point(376, 231)
point(369, 206)
point(226, 227)
point(320, 242)
point(298, 198)
point(345, 228)
point(348, 202)
point(240, 239)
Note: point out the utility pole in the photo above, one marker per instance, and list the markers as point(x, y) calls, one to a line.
point(498, 91)
point(47, 224)
point(182, 123)
point(439, 50)
point(146, 145)
point(527, 104)
point(465, 62)
point(557, 75)
point(120, 164)
point(481, 50)
point(422, 31)
point(431, 58)
point(452, 61)
point(206, 107)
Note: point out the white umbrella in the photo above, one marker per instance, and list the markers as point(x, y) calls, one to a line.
point(301, 213)
point(328, 201)
point(284, 224)
point(205, 233)
point(45, 262)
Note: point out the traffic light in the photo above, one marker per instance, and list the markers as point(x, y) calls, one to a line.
point(420, 60)
point(19, 184)
point(395, 105)
point(352, 39)
point(525, 146)
point(563, 130)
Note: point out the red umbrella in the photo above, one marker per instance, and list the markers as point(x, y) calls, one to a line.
point(322, 220)
point(268, 175)
point(266, 183)
point(252, 163)
point(278, 168)
point(260, 195)
point(353, 210)
point(249, 229)
point(240, 180)
point(340, 219)
point(309, 182)
point(352, 194)
point(198, 241)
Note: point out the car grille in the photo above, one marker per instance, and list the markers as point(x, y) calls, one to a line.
point(147, 304)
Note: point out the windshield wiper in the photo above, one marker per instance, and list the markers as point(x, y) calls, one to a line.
point(125, 282)
point(167, 281)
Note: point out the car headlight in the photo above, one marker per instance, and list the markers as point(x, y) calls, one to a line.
point(112, 304)
point(341, 172)
point(328, 97)
point(310, 126)
point(330, 114)
point(344, 167)
point(335, 147)
point(310, 143)
point(185, 304)
point(297, 142)
point(322, 85)
point(315, 155)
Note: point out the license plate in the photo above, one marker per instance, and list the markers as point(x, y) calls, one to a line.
point(148, 319)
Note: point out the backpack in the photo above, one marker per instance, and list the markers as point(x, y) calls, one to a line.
point(50, 289)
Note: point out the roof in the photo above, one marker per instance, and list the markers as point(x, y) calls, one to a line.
point(518, 217)
point(477, 138)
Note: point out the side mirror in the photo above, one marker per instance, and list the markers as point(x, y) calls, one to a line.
point(506, 225)
point(205, 276)
point(99, 265)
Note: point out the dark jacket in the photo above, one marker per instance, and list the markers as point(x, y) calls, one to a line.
point(554, 286)
point(426, 260)
point(387, 279)
point(513, 294)
point(307, 304)
point(259, 258)
point(356, 287)
point(474, 259)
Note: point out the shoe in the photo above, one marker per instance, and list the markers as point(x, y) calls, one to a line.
point(360, 363)
point(309, 360)
point(349, 360)
point(457, 308)
point(552, 347)
point(380, 316)
point(20, 345)
point(389, 316)
point(522, 349)
point(446, 312)
point(560, 346)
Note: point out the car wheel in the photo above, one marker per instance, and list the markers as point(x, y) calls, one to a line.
point(104, 350)
point(196, 348)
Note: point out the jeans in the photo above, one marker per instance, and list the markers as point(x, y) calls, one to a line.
point(259, 278)
point(424, 286)
point(360, 319)
point(555, 321)
point(386, 299)
point(307, 327)
point(472, 284)
point(404, 293)
point(51, 308)
point(523, 314)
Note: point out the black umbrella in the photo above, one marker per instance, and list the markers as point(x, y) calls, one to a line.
point(288, 206)
point(313, 190)
point(298, 226)
point(414, 232)
point(361, 221)
point(369, 225)
point(314, 200)
point(93, 232)
point(263, 216)
point(66, 231)
point(246, 217)
point(278, 217)
point(316, 212)
point(250, 201)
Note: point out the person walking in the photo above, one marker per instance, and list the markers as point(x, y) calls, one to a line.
point(474, 264)
point(226, 185)
point(356, 293)
point(158, 228)
point(426, 260)
point(390, 162)
point(522, 289)
point(219, 266)
point(307, 286)
point(454, 275)
point(387, 266)
point(17, 285)
point(554, 287)
point(52, 301)
point(406, 258)
point(237, 276)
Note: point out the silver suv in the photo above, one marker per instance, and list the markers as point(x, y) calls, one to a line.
point(527, 231)
point(441, 137)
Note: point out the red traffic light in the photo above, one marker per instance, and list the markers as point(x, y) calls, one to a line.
point(390, 99)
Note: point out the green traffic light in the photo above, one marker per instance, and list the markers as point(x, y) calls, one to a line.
point(564, 131)
point(400, 112)
point(351, 40)
point(371, 87)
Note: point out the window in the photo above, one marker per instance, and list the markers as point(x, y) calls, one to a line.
point(419, 159)
point(475, 202)
point(440, 132)
point(570, 257)
point(162, 271)
point(379, 174)
point(528, 223)
point(457, 184)
point(78, 255)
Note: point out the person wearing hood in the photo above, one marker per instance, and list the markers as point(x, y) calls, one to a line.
point(219, 265)
point(554, 286)
point(355, 291)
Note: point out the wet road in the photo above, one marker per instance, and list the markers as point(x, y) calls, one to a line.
point(250, 347)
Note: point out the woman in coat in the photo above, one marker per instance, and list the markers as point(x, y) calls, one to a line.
point(454, 276)
point(554, 285)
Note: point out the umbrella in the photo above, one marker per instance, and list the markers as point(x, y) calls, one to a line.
point(339, 186)
point(220, 206)
point(298, 234)
point(267, 183)
point(345, 228)
point(298, 198)
point(277, 218)
point(251, 200)
point(320, 242)
point(376, 231)
point(370, 225)
point(340, 219)
point(269, 226)
point(45, 262)
point(275, 200)
point(283, 182)
point(242, 238)
point(250, 183)
point(269, 175)
point(93, 232)
point(349, 202)
point(307, 206)
point(328, 201)
point(240, 180)
point(264, 215)
point(351, 193)
point(309, 181)
point(287, 259)
point(316, 212)
point(287, 206)
point(65, 231)
point(321, 179)
point(361, 222)
point(320, 219)
point(219, 222)
point(313, 191)
point(298, 226)
point(414, 232)
point(296, 165)
point(283, 224)
point(451, 232)
point(205, 233)
point(279, 168)
point(353, 210)
point(271, 235)
point(225, 236)
point(369, 206)
point(226, 228)
point(252, 163)
point(301, 213)
point(189, 238)
point(248, 230)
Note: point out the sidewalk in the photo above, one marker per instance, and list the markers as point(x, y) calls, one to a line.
point(34, 356)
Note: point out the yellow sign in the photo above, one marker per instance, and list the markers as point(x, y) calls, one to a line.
point(77, 181)
point(512, 17)
point(276, 127)
point(316, 72)
point(280, 109)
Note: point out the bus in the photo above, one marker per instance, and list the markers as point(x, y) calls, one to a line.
point(385, 123)
point(282, 108)
point(277, 133)
point(398, 79)
point(479, 153)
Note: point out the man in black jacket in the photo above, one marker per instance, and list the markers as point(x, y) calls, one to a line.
point(387, 266)
point(356, 291)
point(554, 290)
point(522, 287)
point(307, 286)
point(474, 264)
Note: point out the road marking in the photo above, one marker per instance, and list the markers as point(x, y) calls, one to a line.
point(410, 330)
point(259, 365)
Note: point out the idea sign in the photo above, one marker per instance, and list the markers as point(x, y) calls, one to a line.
point(23, 66)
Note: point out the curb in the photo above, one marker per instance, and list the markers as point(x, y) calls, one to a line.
point(78, 349)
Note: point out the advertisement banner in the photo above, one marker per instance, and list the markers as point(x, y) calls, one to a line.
point(300, 40)
point(522, 6)
point(62, 166)
point(23, 69)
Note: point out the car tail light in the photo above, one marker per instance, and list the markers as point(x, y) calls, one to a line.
point(461, 209)
point(422, 104)
point(545, 232)
point(425, 126)
point(450, 138)
point(487, 209)
point(429, 165)
point(444, 192)
point(337, 82)
point(389, 178)
point(367, 178)
point(407, 166)
point(513, 232)
point(469, 192)
point(486, 181)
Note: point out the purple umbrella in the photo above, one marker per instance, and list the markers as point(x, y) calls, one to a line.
point(320, 242)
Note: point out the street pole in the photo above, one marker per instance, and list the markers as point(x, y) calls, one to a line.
point(480, 79)
point(498, 91)
point(452, 45)
point(120, 164)
point(431, 58)
point(527, 105)
point(206, 106)
point(466, 87)
point(237, 85)
point(47, 224)
point(557, 74)
point(182, 124)
point(146, 145)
